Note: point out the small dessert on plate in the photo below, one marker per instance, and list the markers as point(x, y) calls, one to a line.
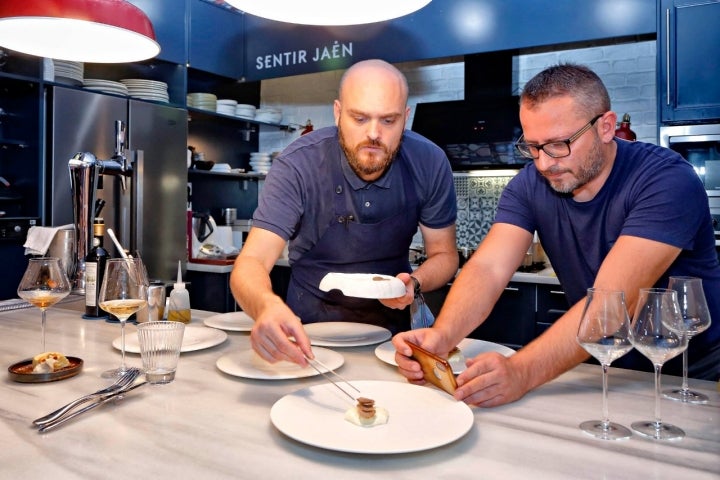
point(456, 359)
point(49, 362)
point(366, 414)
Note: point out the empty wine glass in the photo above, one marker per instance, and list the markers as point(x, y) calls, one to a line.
point(43, 284)
point(696, 315)
point(604, 333)
point(123, 292)
point(657, 331)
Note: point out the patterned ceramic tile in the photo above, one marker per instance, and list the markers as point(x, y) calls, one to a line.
point(477, 199)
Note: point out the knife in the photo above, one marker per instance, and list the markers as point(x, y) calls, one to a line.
point(119, 395)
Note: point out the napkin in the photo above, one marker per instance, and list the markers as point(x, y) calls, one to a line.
point(39, 239)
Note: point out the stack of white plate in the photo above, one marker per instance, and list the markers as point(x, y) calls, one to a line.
point(226, 106)
point(70, 73)
point(107, 86)
point(203, 101)
point(243, 110)
point(147, 89)
point(260, 162)
point(268, 115)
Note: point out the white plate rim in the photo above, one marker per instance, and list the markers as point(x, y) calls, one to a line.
point(229, 364)
point(227, 321)
point(315, 416)
point(362, 285)
point(366, 334)
point(213, 337)
point(470, 348)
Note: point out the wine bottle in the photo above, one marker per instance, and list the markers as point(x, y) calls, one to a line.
point(95, 271)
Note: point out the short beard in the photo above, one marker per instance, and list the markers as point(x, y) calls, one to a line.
point(587, 171)
point(375, 165)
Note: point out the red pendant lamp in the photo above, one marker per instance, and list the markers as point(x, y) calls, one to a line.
point(97, 31)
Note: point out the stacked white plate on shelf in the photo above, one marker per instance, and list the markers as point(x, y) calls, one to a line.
point(203, 101)
point(243, 110)
point(147, 89)
point(268, 115)
point(106, 86)
point(260, 162)
point(226, 106)
point(70, 73)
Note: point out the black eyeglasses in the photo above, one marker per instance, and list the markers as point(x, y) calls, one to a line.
point(556, 149)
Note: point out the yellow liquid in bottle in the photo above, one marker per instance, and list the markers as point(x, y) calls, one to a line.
point(179, 315)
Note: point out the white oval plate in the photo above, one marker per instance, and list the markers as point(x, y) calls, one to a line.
point(363, 285)
point(248, 364)
point(194, 338)
point(470, 347)
point(420, 418)
point(232, 322)
point(345, 334)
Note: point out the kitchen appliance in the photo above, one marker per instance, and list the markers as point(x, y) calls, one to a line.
point(474, 135)
point(145, 202)
point(479, 132)
point(699, 145)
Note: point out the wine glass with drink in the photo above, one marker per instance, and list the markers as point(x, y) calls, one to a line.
point(657, 331)
point(123, 292)
point(43, 284)
point(696, 316)
point(604, 334)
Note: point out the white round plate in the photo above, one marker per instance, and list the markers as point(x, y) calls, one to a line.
point(363, 285)
point(194, 338)
point(232, 322)
point(420, 418)
point(248, 364)
point(470, 347)
point(345, 334)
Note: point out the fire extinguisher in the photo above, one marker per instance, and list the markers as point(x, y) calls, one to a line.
point(308, 128)
point(623, 131)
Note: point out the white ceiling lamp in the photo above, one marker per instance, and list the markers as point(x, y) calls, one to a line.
point(329, 12)
point(99, 31)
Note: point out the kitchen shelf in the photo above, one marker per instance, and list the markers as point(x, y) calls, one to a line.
point(6, 143)
point(241, 176)
point(208, 114)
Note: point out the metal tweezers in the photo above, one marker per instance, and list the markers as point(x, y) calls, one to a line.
point(313, 362)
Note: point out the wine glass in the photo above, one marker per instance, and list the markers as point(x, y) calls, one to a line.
point(43, 284)
point(604, 334)
point(657, 331)
point(123, 292)
point(696, 315)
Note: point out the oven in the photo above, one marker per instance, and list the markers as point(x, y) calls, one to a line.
point(700, 145)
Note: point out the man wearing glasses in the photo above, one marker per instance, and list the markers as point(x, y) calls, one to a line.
point(609, 213)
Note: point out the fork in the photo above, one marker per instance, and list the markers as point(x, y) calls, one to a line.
point(126, 379)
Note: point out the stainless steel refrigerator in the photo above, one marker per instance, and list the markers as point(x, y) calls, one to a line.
point(148, 211)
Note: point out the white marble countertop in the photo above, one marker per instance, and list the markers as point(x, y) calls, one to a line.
point(207, 424)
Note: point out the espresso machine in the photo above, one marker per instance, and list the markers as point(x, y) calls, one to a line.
point(86, 175)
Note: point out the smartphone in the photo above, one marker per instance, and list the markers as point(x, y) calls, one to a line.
point(436, 370)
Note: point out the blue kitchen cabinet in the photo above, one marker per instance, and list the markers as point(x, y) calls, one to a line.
point(216, 39)
point(689, 61)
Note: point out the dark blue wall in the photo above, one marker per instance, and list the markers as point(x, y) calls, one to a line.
point(441, 29)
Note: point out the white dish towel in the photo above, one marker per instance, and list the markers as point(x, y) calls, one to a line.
point(39, 239)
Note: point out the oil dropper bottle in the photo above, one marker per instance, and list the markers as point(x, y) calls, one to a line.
point(179, 301)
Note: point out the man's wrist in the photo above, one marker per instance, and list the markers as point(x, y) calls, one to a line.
point(416, 285)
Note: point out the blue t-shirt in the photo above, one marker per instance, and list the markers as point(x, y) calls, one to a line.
point(652, 193)
point(296, 201)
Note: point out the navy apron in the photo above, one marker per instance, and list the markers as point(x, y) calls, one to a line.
point(347, 246)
